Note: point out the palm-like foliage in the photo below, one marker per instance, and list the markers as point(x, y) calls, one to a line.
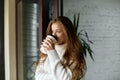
point(82, 33)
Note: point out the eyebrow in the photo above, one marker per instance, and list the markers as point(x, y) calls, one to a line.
point(57, 29)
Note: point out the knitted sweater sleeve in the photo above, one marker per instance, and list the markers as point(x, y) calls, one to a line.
point(41, 74)
point(58, 71)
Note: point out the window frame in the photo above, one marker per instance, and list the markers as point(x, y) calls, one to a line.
point(43, 23)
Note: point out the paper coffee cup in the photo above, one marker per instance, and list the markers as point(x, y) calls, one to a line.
point(53, 38)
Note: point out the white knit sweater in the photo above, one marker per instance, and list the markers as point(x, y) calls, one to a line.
point(52, 69)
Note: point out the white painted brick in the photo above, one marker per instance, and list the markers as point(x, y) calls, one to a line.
point(101, 19)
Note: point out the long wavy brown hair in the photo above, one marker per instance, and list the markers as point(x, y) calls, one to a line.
point(73, 57)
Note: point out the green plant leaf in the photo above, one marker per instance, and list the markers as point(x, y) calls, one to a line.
point(85, 45)
point(87, 48)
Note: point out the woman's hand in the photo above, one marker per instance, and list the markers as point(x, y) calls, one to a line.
point(48, 44)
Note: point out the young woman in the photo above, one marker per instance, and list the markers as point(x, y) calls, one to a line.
point(64, 59)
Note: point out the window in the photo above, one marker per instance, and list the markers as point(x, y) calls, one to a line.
point(32, 20)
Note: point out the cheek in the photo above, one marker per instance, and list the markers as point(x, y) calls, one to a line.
point(61, 37)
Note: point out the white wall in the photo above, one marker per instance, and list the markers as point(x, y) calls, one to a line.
point(10, 40)
point(101, 19)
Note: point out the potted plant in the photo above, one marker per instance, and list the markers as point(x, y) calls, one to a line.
point(82, 33)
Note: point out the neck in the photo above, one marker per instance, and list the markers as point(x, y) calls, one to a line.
point(60, 49)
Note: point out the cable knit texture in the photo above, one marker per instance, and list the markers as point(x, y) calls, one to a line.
point(52, 69)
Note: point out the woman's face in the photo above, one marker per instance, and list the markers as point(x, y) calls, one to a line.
point(59, 31)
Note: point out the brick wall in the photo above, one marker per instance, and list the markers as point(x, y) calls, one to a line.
point(101, 19)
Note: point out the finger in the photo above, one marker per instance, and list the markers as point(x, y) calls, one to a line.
point(45, 42)
point(48, 45)
point(45, 46)
point(49, 40)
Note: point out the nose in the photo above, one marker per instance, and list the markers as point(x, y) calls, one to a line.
point(53, 33)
